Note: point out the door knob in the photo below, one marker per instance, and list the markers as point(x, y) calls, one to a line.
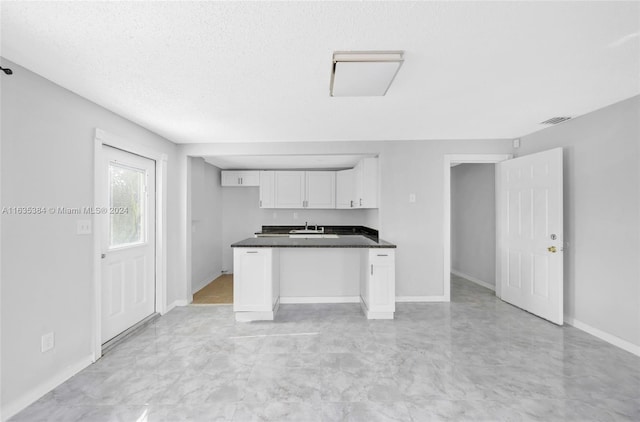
point(552, 249)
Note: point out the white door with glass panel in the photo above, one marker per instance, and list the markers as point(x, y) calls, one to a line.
point(530, 233)
point(128, 241)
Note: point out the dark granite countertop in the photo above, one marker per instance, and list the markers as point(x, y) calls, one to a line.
point(339, 230)
point(348, 241)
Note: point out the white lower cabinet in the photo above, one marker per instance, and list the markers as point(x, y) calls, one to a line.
point(256, 283)
point(378, 283)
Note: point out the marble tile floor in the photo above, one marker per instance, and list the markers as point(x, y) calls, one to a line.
point(474, 359)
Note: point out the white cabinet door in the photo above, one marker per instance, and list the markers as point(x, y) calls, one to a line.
point(240, 178)
point(252, 282)
point(289, 189)
point(267, 189)
point(320, 189)
point(345, 188)
point(366, 182)
point(378, 286)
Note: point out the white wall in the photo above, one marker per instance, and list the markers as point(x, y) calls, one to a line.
point(602, 216)
point(473, 221)
point(242, 217)
point(206, 223)
point(47, 161)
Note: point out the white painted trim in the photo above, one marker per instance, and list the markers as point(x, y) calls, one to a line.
point(319, 299)
point(609, 338)
point(11, 409)
point(474, 279)
point(419, 299)
point(450, 159)
point(248, 316)
point(375, 314)
point(161, 162)
point(181, 302)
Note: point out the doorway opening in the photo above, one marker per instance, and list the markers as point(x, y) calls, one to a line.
point(449, 161)
point(473, 223)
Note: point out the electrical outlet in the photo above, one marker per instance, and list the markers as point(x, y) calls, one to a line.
point(516, 143)
point(84, 227)
point(412, 197)
point(47, 342)
point(295, 215)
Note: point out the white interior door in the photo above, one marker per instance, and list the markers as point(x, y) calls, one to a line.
point(530, 233)
point(128, 241)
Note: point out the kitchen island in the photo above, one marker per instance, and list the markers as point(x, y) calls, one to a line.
point(343, 269)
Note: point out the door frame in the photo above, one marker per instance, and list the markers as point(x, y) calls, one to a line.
point(104, 138)
point(461, 159)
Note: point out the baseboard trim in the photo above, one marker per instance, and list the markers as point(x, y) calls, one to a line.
point(609, 338)
point(181, 302)
point(474, 279)
point(408, 299)
point(12, 409)
point(319, 299)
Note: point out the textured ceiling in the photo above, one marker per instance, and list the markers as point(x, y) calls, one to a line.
point(241, 71)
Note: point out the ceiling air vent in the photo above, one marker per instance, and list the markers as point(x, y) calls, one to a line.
point(555, 120)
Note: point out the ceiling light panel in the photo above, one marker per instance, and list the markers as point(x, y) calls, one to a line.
point(363, 74)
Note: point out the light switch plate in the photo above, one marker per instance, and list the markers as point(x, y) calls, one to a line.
point(48, 341)
point(84, 227)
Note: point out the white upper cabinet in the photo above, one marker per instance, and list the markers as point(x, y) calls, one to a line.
point(366, 182)
point(345, 188)
point(267, 189)
point(297, 189)
point(240, 178)
point(320, 189)
point(289, 189)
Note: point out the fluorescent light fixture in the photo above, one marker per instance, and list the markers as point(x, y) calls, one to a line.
point(364, 73)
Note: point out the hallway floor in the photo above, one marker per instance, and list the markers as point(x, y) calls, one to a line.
point(475, 359)
point(219, 291)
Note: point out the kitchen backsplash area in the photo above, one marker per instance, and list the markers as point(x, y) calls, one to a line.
point(242, 217)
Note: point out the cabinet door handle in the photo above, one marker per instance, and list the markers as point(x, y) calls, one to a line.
point(380, 254)
point(351, 203)
point(241, 180)
point(371, 269)
point(252, 251)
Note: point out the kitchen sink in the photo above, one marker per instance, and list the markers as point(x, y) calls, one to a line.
point(313, 235)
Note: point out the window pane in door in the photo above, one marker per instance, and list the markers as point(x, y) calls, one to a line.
point(127, 202)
